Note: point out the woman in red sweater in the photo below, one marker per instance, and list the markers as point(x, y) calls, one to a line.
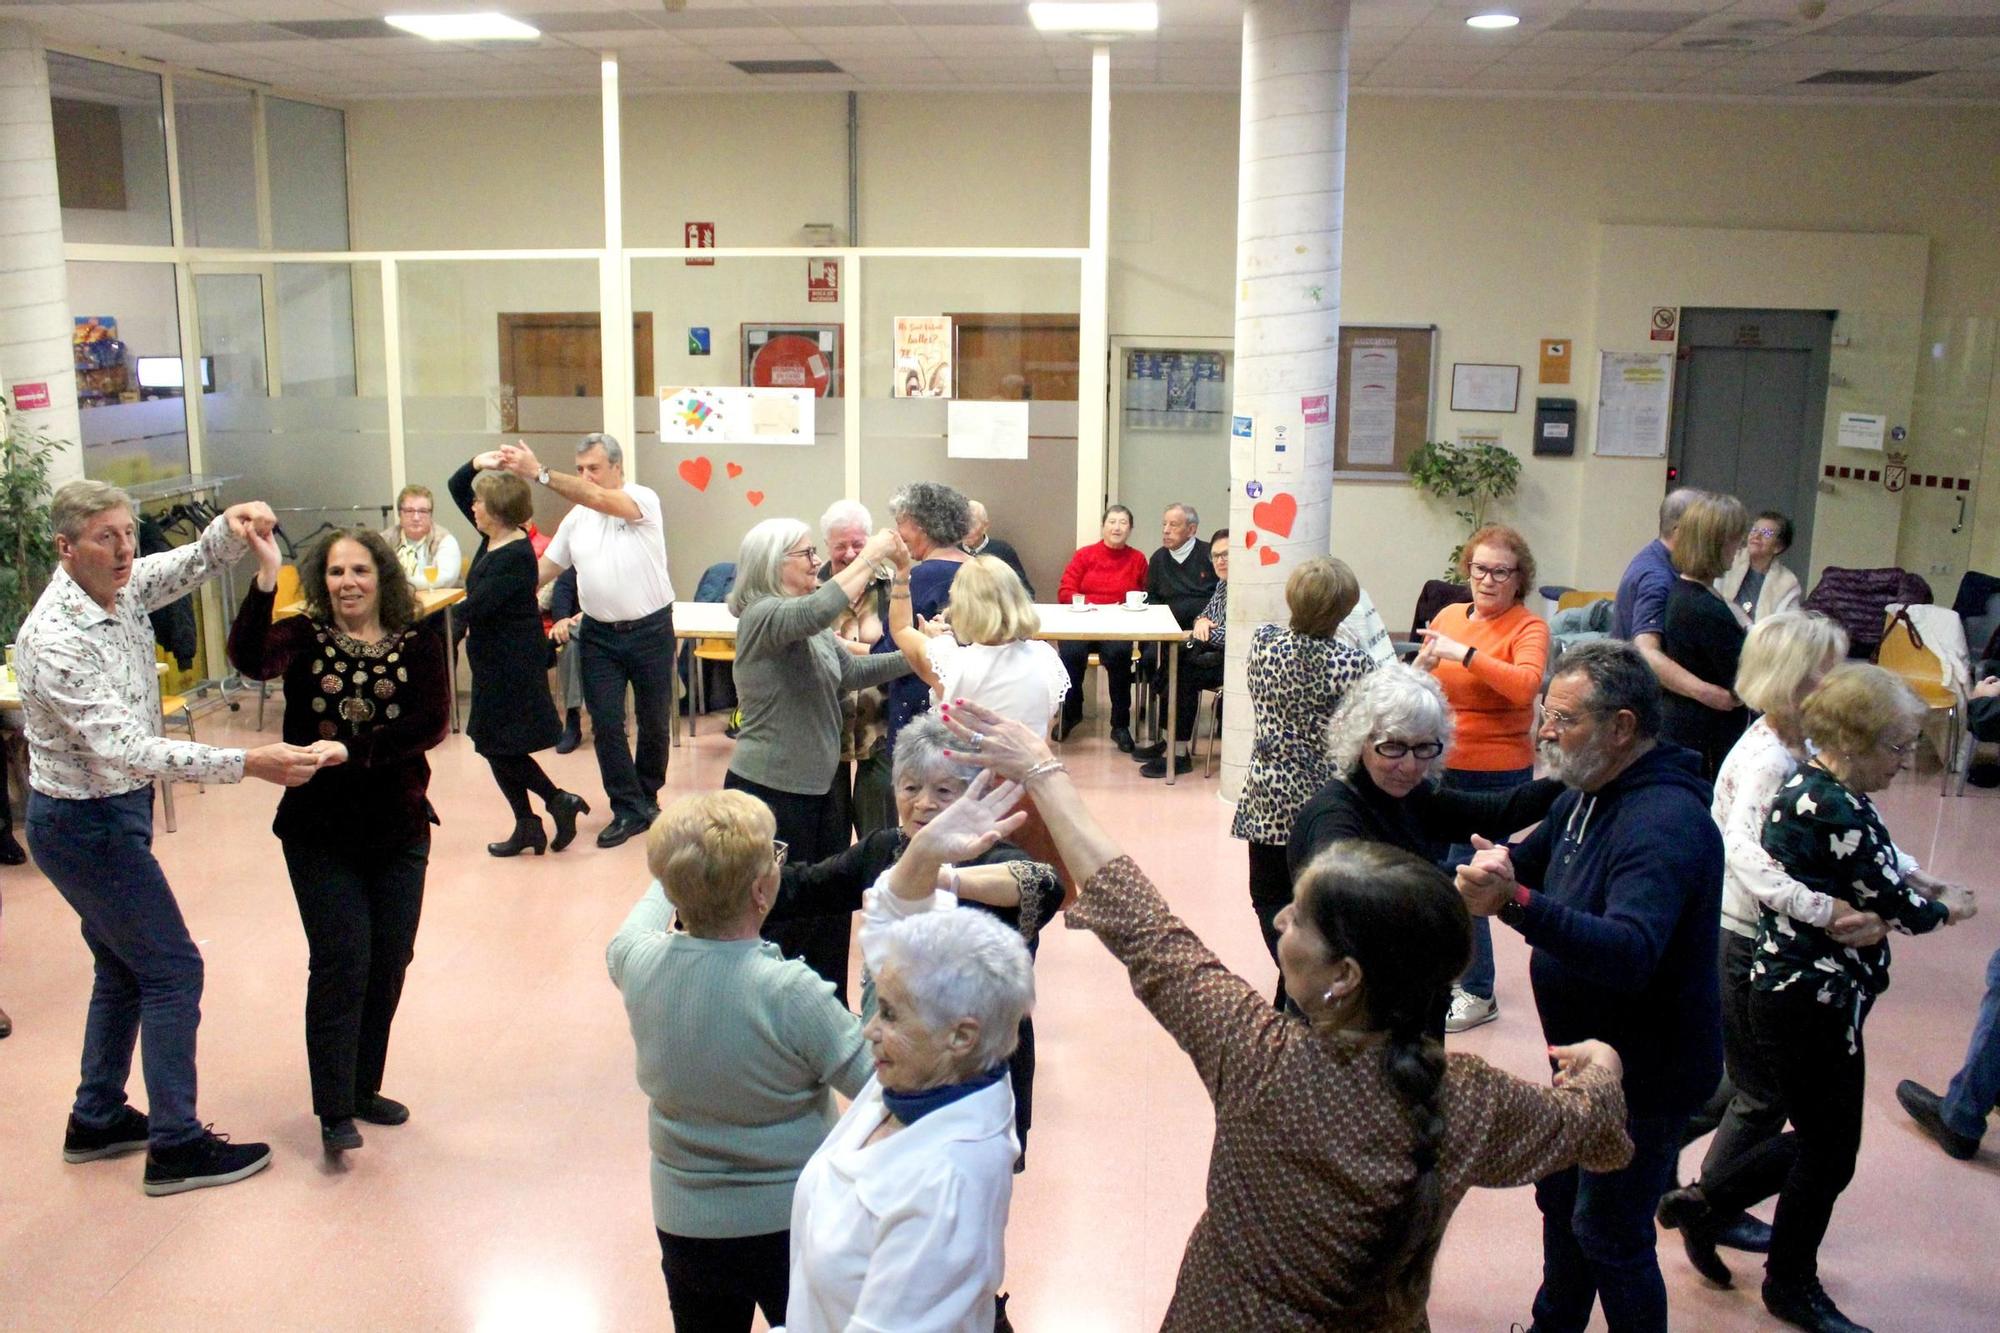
point(1102, 573)
point(1489, 656)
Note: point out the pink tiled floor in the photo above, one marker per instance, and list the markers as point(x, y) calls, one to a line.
point(516, 1196)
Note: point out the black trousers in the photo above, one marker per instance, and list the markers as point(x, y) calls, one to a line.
point(714, 1285)
point(638, 653)
point(1270, 894)
point(1199, 671)
point(1804, 1046)
point(360, 908)
point(815, 827)
point(1115, 657)
point(1751, 1110)
point(519, 774)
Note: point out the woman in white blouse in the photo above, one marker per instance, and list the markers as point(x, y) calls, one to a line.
point(899, 1220)
point(987, 653)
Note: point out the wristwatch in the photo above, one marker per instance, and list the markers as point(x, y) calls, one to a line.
point(543, 476)
point(1514, 911)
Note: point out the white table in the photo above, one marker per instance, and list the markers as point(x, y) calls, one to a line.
point(699, 621)
point(1147, 624)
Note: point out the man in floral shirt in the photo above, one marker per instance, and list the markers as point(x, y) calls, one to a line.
point(91, 703)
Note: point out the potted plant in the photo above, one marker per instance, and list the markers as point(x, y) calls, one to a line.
point(27, 547)
point(1468, 476)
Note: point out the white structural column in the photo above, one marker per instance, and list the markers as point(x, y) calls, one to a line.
point(614, 285)
point(1290, 180)
point(1093, 347)
point(34, 289)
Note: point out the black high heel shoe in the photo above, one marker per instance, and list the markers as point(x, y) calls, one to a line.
point(529, 836)
point(564, 809)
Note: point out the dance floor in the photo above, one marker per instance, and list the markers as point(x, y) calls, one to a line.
point(516, 1197)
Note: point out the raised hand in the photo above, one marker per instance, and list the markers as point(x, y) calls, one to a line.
point(264, 545)
point(998, 744)
point(970, 825)
point(520, 460)
point(490, 461)
point(250, 518)
point(886, 546)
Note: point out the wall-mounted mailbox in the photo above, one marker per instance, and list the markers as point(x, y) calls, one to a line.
point(1555, 426)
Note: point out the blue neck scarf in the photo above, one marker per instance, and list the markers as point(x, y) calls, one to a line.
point(910, 1107)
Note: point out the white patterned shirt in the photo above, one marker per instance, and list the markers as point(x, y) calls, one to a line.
point(90, 697)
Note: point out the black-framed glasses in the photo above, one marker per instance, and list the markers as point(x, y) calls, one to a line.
point(780, 849)
point(811, 553)
point(1493, 573)
point(1403, 749)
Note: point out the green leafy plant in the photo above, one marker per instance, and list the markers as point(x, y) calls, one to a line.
point(27, 547)
point(1467, 476)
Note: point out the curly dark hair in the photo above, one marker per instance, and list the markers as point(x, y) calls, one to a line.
point(393, 594)
point(940, 512)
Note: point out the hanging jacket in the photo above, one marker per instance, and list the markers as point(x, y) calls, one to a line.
point(173, 624)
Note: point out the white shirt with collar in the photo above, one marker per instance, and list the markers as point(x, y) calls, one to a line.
point(90, 698)
point(621, 564)
point(1182, 552)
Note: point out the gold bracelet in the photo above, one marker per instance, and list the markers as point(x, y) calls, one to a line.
point(902, 596)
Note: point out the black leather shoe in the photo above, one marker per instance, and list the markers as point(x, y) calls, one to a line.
point(572, 734)
point(1926, 1108)
point(1743, 1232)
point(1685, 1211)
point(1145, 752)
point(529, 836)
point(1806, 1305)
point(622, 830)
point(1157, 768)
point(564, 809)
point(11, 852)
point(1122, 738)
point(338, 1135)
point(379, 1110)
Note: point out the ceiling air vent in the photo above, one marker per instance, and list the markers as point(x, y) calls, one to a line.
point(1878, 78)
point(788, 67)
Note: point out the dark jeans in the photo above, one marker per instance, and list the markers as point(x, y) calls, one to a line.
point(519, 774)
point(1804, 1045)
point(360, 908)
point(1598, 1237)
point(1477, 979)
point(714, 1285)
point(639, 653)
point(814, 827)
point(1199, 671)
point(1975, 1087)
point(1270, 894)
point(1115, 657)
point(1754, 1112)
point(99, 855)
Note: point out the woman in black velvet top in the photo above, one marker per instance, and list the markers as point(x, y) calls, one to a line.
point(1702, 632)
point(365, 688)
point(512, 714)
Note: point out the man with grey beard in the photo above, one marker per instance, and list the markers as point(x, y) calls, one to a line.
point(1618, 892)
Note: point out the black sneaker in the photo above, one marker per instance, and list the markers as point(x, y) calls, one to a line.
point(126, 1133)
point(379, 1110)
point(209, 1160)
point(338, 1134)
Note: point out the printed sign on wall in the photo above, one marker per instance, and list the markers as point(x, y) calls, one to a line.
point(700, 236)
point(823, 281)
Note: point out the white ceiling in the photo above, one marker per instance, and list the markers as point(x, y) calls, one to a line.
point(339, 49)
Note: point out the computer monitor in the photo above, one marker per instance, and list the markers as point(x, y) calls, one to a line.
point(164, 372)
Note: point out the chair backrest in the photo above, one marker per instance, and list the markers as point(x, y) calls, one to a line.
point(288, 585)
point(1858, 599)
point(1436, 596)
point(1902, 651)
point(716, 581)
point(1581, 597)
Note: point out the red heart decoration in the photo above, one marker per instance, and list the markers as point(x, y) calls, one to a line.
point(1250, 537)
point(1276, 514)
point(696, 472)
point(754, 497)
point(733, 469)
point(1268, 556)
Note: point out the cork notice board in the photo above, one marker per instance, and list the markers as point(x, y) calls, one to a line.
point(1382, 410)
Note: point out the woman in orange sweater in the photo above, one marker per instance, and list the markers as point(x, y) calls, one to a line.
point(1489, 657)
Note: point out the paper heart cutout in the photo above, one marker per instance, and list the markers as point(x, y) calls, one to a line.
point(696, 472)
point(754, 497)
point(1268, 556)
point(733, 469)
point(1250, 538)
point(1276, 513)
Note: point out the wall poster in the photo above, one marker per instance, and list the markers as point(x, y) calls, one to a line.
point(1634, 398)
point(729, 414)
point(793, 356)
point(1382, 403)
point(923, 356)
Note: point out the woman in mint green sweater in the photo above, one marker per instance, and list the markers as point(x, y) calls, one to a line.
point(739, 1050)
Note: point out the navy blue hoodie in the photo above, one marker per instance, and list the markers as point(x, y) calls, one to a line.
point(1629, 888)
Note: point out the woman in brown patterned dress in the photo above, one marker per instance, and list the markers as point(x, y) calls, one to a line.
point(365, 687)
point(1344, 1136)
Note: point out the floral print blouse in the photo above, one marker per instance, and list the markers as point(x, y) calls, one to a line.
point(1296, 681)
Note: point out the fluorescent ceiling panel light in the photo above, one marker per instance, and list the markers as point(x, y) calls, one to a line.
point(1095, 19)
point(1492, 21)
point(464, 27)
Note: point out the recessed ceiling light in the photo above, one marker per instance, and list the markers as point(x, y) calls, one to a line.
point(464, 27)
point(1493, 21)
point(1096, 20)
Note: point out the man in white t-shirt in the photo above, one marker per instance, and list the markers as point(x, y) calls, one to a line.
point(616, 539)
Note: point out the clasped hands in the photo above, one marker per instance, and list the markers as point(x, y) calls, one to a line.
point(292, 765)
point(516, 458)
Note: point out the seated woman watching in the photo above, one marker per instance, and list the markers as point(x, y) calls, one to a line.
point(1344, 1136)
point(1758, 584)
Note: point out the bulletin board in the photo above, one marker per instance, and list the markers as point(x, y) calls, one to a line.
point(1382, 409)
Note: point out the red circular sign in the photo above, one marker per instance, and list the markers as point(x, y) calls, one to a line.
point(791, 361)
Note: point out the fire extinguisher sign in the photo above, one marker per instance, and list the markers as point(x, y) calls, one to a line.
point(700, 236)
point(823, 281)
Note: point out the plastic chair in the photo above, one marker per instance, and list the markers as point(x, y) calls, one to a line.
point(706, 650)
point(1903, 652)
point(1574, 599)
point(287, 593)
point(1214, 712)
point(177, 709)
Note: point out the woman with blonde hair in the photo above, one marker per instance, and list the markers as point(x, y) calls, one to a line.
point(1701, 633)
point(986, 649)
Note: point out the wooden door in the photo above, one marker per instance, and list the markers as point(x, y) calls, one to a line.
point(549, 355)
point(1011, 357)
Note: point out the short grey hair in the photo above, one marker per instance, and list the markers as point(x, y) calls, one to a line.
point(1395, 701)
point(759, 562)
point(920, 753)
point(1675, 505)
point(77, 502)
point(940, 512)
point(614, 454)
point(1188, 513)
point(1620, 680)
point(961, 964)
point(845, 514)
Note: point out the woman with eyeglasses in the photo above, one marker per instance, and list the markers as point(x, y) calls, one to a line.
point(1757, 584)
point(1489, 655)
point(428, 554)
point(790, 675)
point(1388, 742)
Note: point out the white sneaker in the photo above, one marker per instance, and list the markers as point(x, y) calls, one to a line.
point(1469, 1011)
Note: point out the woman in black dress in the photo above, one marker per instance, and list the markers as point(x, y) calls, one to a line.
point(512, 714)
point(1702, 632)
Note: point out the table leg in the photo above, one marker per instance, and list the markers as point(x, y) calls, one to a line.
point(700, 687)
point(674, 693)
point(451, 668)
point(1173, 698)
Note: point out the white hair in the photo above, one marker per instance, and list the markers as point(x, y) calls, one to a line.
point(845, 514)
point(965, 964)
point(920, 753)
point(608, 443)
point(760, 560)
point(1395, 701)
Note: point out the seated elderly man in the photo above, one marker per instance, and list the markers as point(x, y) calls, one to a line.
point(979, 540)
point(739, 1049)
point(1201, 668)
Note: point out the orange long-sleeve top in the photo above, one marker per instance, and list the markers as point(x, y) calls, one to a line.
point(1495, 696)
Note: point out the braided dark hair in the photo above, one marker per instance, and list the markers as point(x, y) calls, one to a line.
point(1400, 919)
